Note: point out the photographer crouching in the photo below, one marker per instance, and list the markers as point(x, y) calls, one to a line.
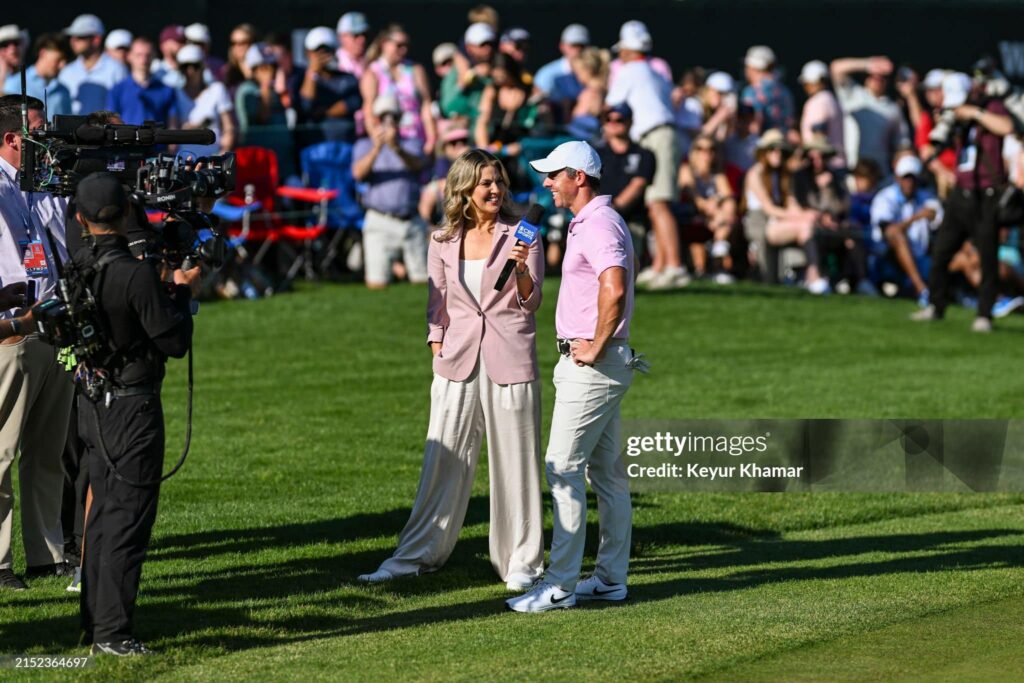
point(123, 432)
point(974, 126)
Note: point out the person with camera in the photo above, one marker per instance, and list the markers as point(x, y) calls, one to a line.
point(35, 391)
point(974, 126)
point(147, 322)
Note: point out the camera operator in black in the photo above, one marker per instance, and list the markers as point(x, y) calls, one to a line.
point(145, 325)
point(975, 126)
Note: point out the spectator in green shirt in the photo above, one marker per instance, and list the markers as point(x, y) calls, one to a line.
point(463, 86)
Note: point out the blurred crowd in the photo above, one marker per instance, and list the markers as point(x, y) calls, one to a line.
point(859, 175)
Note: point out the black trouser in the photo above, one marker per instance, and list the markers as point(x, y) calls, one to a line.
point(122, 515)
point(76, 483)
point(968, 214)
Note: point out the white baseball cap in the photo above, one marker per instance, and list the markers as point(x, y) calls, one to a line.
point(479, 33)
point(190, 54)
point(516, 34)
point(11, 32)
point(576, 34)
point(955, 89)
point(118, 38)
point(198, 33)
point(85, 25)
point(634, 36)
point(759, 57)
point(908, 165)
point(353, 22)
point(443, 52)
point(321, 36)
point(259, 54)
point(933, 79)
point(575, 154)
point(386, 104)
point(813, 72)
point(721, 82)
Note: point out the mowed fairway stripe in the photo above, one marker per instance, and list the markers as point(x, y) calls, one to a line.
point(977, 643)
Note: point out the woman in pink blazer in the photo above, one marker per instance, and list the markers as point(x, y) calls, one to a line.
point(485, 382)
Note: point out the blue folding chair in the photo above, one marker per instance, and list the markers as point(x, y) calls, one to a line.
point(328, 165)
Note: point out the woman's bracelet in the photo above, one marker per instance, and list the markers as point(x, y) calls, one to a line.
point(523, 273)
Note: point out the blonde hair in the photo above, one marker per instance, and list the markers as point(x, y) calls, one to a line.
point(373, 52)
point(594, 61)
point(463, 178)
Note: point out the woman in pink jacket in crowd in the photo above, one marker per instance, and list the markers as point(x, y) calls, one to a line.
point(485, 382)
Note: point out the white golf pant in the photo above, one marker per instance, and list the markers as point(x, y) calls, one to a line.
point(584, 444)
point(460, 414)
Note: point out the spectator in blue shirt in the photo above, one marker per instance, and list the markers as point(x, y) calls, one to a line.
point(771, 101)
point(91, 76)
point(328, 98)
point(41, 77)
point(556, 80)
point(141, 97)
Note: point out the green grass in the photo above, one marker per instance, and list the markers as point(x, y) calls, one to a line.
point(311, 411)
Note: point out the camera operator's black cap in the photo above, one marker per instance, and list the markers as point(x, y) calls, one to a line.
point(100, 198)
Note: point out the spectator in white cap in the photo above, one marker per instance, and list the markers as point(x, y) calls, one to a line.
point(594, 372)
point(353, 34)
point(462, 88)
point(204, 105)
point(903, 217)
point(389, 71)
point(242, 37)
point(141, 97)
point(199, 34)
point(328, 98)
point(13, 45)
point(556, 81)
point(718, 102)
point(923, 114)
point(93, 73)
point(821, 114)
point(390, 168)
point(873, 127)
point(443, 59)
point(649, 96)
point(262, 121)
point(770, 100)
point(117, 44)
point(975, 125)
point(41, 78)
point(636, 35)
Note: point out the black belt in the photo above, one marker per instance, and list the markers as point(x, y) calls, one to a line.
point(152, 389)
point(565, 345)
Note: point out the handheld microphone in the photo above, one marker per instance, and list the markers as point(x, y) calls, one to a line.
point(526, 233)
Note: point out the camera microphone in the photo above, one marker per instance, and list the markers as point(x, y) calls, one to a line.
point(526, 233)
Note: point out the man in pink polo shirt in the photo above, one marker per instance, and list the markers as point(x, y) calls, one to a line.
point(595, 304)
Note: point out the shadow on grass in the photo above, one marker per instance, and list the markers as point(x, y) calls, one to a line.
point(240, 607)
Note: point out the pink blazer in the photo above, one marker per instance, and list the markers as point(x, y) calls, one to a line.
point(501, 328)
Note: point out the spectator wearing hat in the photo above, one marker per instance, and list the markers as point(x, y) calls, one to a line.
point(141, 97)
point(903, 217)
point(41, 78)
point(649, 97)
point(773, 217)
point(463, 87)
point(709, 207)
point(443, 59)
point(874, 127)
point(922, 116)
point(233, 73)
point(13, 43)
point(262, 121)
point(93, 73)
point(636, 32)
point(165, 68)
point(971, 210)
point(199, 34)
point(718, 104)
point(556, 81)
point(391, 72)
point(328, 98)
point(454, 142)
point(771, 100)
point(204, 105)
point(117, 44)
point(515, 42)
point(390, 167)
point(353, 31)
point(627, 169)
point(821, 114)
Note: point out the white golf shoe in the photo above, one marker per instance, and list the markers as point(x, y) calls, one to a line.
point(543, 597)
point(593, 588)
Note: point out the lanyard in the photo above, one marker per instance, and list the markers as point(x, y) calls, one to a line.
point(32, 228)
